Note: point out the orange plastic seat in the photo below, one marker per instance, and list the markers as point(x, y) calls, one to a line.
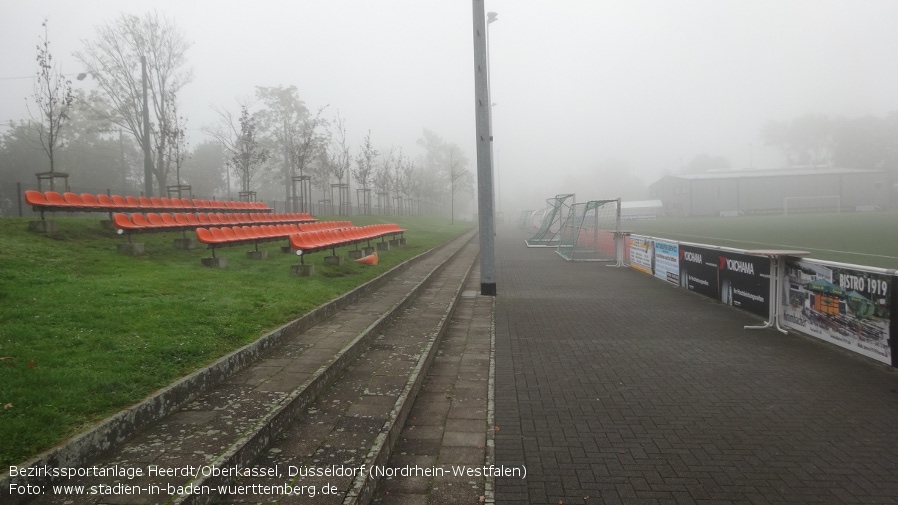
point(73, 200)
point(155, 220)
point(105, 201)
point(119, 201)
point(205, 236)
point(228, 233)
point(89, 200)
point(35, 198)
point(140, 220)
point(218, 234)
point(240, 233)
point(302, 242)
point(123, 223)
point(55, 199)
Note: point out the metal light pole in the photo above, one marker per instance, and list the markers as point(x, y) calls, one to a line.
point(485, 209)
point(492, 17)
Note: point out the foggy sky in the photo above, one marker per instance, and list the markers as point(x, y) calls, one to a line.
point(576, 83)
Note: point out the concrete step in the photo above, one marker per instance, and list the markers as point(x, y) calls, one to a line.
point(230, 423)
point(326, 455)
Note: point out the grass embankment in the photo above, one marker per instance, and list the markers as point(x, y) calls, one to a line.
point(86, 331)
point(861, 238)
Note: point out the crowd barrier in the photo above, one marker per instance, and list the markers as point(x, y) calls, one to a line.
point(844, 304)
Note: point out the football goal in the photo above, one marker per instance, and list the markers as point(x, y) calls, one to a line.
point(524, 219)
point(558, 211)
point(807, 204)
point(589, 233)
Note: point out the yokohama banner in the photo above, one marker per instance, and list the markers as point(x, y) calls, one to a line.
point(745, 281)
point(735, 279)
point(698, 270)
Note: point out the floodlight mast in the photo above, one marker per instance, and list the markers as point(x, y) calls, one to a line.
point(485, 208)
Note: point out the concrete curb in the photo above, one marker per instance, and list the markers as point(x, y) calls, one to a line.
point(243, 451)
point(114, 430)
point(363, 486)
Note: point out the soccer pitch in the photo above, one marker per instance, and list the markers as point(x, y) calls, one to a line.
point(869, 239)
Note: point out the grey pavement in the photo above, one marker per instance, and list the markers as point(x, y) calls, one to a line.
point(614, 387)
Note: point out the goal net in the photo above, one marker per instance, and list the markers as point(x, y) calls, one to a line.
point(808, 204)
point(554, 220)
point(589, 233)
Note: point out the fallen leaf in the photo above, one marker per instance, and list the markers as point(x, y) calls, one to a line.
point(482, 499)
point(7, 406)
point(560, 502)
point(496, 428)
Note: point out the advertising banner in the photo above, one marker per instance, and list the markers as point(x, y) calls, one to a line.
point(642, 254)
point(744, 281)
point(698, 270)
point(667, 261)
point(844, 305)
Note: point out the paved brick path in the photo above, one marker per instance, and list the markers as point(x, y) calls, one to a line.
point(612, 387)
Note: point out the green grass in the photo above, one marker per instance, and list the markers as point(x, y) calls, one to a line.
point(869, 239)
point(86, 331)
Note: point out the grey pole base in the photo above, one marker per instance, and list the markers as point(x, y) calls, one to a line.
point(488, 288)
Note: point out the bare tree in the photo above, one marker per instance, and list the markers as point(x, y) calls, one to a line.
point(402, 171)
point(54, 98)
point(459, 176)
point(282, 117)
point(338, 161)
point(383, 177)
point(364, 167)
point(308, 140)
point(114, 61)
point(338, 150)
point(238, 138)
point(175, 144)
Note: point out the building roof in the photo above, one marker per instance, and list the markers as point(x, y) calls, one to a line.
point(782, 172)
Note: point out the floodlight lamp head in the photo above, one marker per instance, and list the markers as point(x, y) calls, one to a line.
point(491, 16)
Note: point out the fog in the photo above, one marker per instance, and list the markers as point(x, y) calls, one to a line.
point(598, 98)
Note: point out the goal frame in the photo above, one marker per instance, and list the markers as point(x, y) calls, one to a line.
point(786, 200)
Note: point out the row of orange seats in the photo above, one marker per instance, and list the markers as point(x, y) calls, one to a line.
point(302, 238)
point(311, 241)
point(235, 235)
point(151, 221)
point(86, 202)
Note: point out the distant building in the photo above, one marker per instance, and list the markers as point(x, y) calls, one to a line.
point(641, 210)
point(740, 192)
